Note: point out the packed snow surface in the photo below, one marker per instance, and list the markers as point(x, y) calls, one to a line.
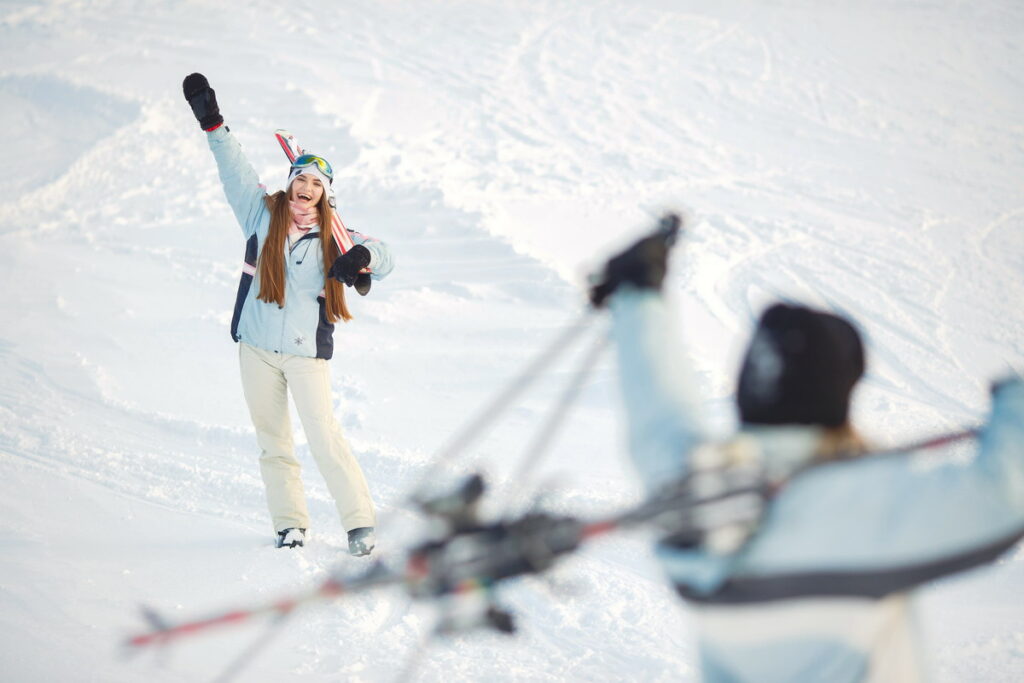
point(865, 157)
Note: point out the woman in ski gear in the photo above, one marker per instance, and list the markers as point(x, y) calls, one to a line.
point(290, 296)
point(817, 585)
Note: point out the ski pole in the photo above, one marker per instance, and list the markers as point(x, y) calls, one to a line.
point(539, 445)
point(331, 588)
point(165, 632)
point(930, 443)
point(500, 403)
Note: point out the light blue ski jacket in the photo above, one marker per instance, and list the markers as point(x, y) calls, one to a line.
point(300, 327)
point(822, 590)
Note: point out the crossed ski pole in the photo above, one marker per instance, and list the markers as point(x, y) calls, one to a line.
point(163, 631)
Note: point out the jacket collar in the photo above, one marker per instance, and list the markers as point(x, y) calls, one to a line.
point(785, 448)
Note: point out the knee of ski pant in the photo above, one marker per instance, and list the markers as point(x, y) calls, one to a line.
point(279, 456)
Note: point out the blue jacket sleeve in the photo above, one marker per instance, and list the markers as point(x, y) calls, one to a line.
point(657, 386)
point(889, 511)
point(241, 184)
point(894, 511)
point(381, 260)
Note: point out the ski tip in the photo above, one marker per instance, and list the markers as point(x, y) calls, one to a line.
point(158, 627)
point(153, 618)
point(289, 145)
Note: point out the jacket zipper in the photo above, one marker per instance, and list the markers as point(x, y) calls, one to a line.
point(287, 270)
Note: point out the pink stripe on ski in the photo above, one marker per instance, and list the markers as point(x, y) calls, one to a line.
point(342, 238)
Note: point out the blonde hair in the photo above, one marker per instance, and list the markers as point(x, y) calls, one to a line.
point(271, 266)
point(840, 443)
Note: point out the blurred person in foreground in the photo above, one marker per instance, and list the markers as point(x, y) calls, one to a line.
point(821, 586)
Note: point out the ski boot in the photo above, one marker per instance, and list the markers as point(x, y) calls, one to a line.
point(292, 537)
point(361, 541)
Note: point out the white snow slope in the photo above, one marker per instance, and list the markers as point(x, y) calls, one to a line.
point(867, 157)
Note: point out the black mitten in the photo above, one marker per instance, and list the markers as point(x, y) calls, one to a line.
point(203, 101)
point(642, 265)
point(347, 266)
point(363, 283)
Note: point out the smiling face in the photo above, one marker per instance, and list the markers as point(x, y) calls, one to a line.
point(306, 190)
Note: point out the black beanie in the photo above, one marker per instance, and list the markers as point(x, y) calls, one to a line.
point(800, 368)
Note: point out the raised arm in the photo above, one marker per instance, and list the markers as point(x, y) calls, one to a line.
point(657, 387)
point(242, 186)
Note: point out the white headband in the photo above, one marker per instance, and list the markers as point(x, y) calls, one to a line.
point(312, 170)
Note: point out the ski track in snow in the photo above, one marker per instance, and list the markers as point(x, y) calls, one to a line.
point(864, 158)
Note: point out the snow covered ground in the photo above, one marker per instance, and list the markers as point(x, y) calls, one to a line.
point(868, 157)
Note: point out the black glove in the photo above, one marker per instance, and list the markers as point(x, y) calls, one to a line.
point(203, 101)
point(642, 265)
point(363, 283)
point(1005, 382)
point(347, 266)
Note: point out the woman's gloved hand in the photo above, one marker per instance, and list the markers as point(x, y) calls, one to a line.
point(362, 285)
point(347, 266)
point(643, 265)
point(203, 101)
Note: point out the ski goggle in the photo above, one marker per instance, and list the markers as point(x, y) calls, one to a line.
point(314, 160)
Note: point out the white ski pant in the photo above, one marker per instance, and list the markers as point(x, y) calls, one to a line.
point(267, 378)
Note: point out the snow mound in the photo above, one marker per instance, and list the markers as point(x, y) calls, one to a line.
point(49, 123)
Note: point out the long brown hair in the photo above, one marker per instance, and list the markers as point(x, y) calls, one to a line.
point(271, 267)
point(840, 443)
